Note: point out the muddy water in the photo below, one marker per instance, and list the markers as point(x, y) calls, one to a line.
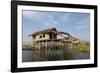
point(52, 55)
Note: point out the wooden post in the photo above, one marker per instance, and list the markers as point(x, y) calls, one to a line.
point(46, 51)
point(46, 45)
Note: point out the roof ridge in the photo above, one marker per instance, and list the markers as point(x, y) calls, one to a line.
point(45, 30)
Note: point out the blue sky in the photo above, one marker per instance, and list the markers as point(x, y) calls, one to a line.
point(77, 24)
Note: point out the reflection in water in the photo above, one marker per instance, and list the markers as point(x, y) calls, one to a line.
point(51, 55)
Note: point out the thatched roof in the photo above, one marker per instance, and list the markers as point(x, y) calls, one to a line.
point(64, 33)
point(51, 30)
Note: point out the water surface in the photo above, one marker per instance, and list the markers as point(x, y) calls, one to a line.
point(32, 56)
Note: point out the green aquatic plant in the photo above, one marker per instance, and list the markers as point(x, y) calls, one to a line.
point(83, 47)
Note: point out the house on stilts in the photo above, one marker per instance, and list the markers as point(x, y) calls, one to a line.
point(52, 39)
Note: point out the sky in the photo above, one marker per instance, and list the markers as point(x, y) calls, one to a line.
point(77, 24)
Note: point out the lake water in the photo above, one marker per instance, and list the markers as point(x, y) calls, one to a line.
point(32, 56)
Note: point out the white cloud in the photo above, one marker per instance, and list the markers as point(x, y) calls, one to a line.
point(28, 13)
point(81, 27)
